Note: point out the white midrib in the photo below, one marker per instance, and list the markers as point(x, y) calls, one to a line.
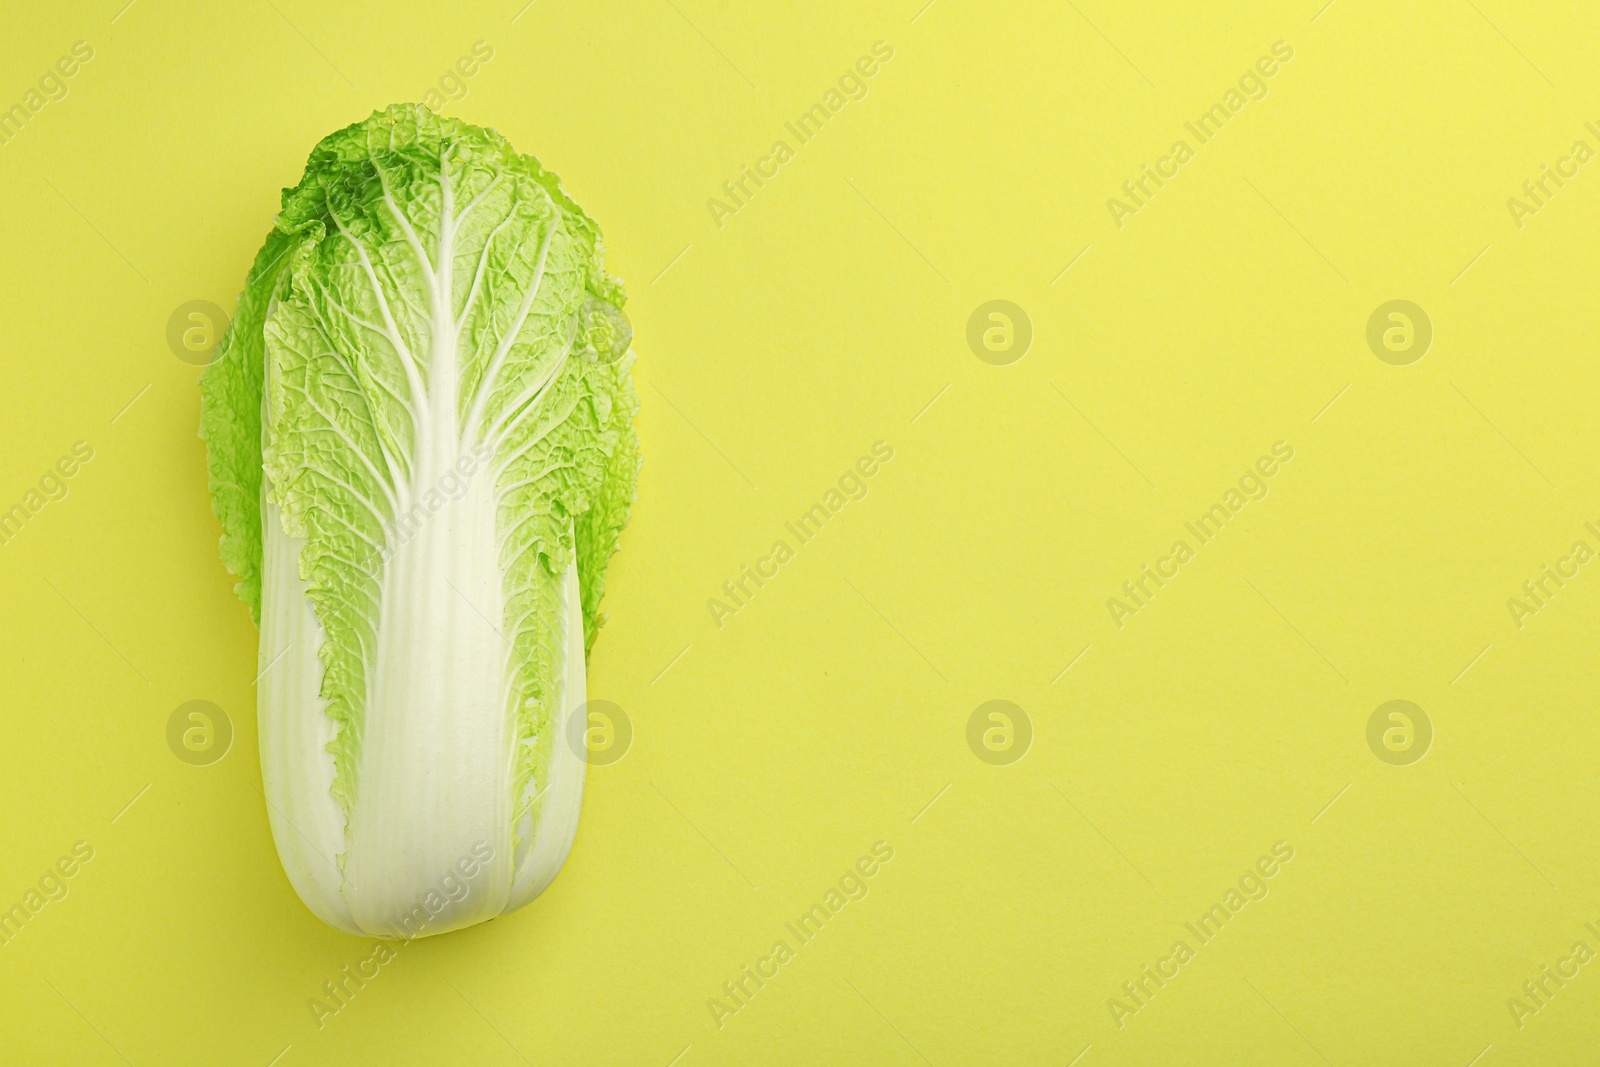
point(438, 436)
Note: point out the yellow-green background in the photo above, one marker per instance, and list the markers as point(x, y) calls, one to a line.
point(1222, 718)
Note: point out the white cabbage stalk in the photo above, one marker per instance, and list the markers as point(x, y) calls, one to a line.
point(421, 452)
